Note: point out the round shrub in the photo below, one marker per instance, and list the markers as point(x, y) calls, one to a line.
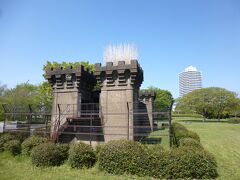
point(13, 146)
point(193, 135)
point(178, 127)
point(123, 156)
point(81, 155)
point(185, 163)
point(157, 159)
point(63, 150)
point(190, 142)
point(46, 154)
point(98, 148)
point(152, 148)
point(179, 131)
point(32, 142)
point(40, 132)
point(19, 135)
point(3, 139)
point(234, 120)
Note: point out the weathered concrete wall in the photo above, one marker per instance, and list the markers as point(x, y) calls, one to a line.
point(115, 114)
point(147, 98)
point(69, 102)
point(119, 92)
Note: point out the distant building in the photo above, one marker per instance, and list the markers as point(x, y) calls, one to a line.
point(189, 80)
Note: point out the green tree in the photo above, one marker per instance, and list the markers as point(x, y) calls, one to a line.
point(45, 96)
point(19, 97)
point(164, 98)
point(234, 110)
point(24, 94)
point(2, 89)
point(209, 102)
point(2, 92)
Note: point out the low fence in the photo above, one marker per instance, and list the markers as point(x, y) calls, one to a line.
point(26, 119)
point(92, 122)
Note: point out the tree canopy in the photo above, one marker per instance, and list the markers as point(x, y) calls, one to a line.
point(2, 92)
point(211, 102)
point(39, 96)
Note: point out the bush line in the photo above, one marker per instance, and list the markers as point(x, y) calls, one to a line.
point(186, 160)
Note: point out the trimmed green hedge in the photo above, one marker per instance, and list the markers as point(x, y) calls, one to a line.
point(193, 135)
point(81, 155)
point(234, 120)
point(12, 135)
point(32, 142)
point(46, 154)
point(157, 160)
point(39, 132)
point(98, 149)
point(123, 156)
point(187, 115)
point(187, 160)
point(179, 131)
point(187, 163)
point(64, 150)
point(181, 163)
point(191, 143)
point(13, 146)
point(19, 135)
point(5, 138)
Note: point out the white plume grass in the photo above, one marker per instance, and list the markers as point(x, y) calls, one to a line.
point(121, 52)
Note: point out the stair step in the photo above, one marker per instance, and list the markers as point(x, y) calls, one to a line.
point(77, 125)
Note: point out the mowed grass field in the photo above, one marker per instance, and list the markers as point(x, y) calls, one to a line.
point(221, 139)
point(20, 168)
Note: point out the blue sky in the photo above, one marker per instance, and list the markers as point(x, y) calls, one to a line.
point(170, 35)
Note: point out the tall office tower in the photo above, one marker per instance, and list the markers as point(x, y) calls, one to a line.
point(189, 80)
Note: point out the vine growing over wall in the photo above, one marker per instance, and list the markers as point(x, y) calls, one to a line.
point(74, 65)
point(64, 65)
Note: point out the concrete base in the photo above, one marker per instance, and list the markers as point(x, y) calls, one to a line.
point(116, 106)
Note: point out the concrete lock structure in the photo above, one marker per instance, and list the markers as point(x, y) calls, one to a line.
point(147, 99)
point(119, 103)
point(71, 88)
point(119, 95)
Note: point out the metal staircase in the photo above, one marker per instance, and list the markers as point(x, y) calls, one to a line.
point(86, 126)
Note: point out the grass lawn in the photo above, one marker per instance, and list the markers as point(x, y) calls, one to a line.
point(221, 139)
point(20, 168)
point(164, 135)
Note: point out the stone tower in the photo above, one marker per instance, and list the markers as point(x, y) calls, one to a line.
point(119, 97)
point(146, 104)
point(71, 88)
